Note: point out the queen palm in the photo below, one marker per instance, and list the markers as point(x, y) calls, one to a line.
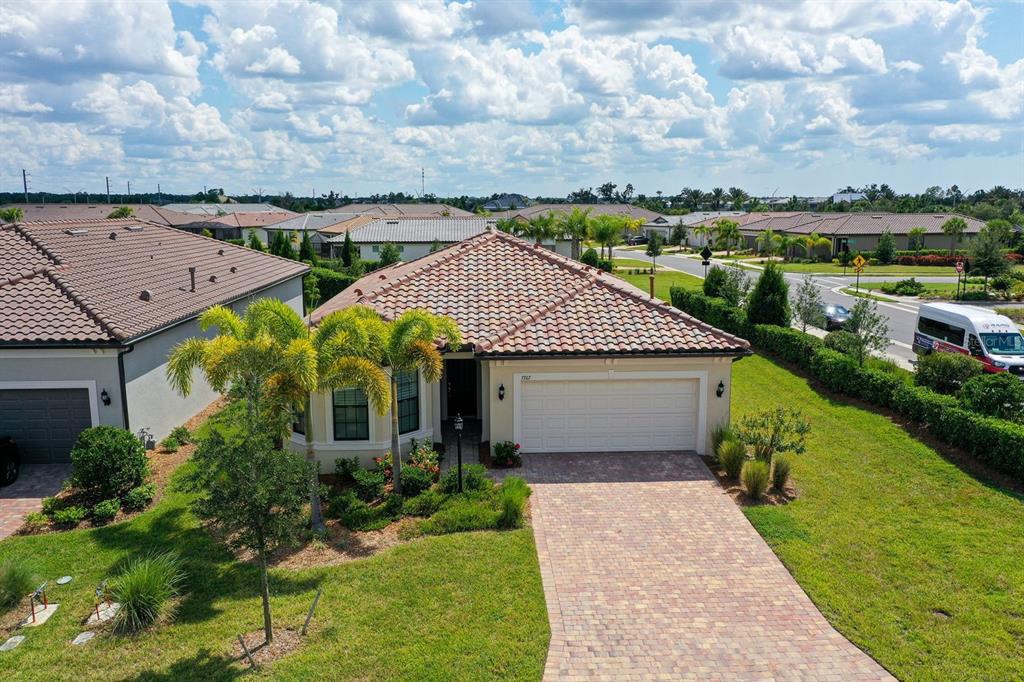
point(768, 241)
point(409, 343)
point(269, 359)
point(575, 226)
point(728, 234)
point(607, 231)
point(510, 226)
point(541, 228)
point(786, 243)
point(706, 231)
point(717, 196)
point(813, 241)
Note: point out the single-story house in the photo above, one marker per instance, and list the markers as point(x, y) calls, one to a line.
point(556, 356)
point(321, 226)
point(236, 225)
point(89, 310)
point(407, 210)
point(652, 221)
point(415, 237)
point(507, 202)
point(158, 215)
point(860, 231)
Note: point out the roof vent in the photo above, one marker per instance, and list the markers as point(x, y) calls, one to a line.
point(213, 278)
point(113, 235)
point(382, 277)
point(357, 292)
point(875, 217)
point(146, 295)
point(390, 222)
point(76, 232)
point(133, 228)
point(233, 269)
point(192, 277)
point(220, 252)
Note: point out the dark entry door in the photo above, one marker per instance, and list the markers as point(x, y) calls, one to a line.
point(461, 387)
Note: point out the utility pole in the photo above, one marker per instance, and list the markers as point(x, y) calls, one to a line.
point(108, 189)
point(129, 192)
point(159, 196)
point(24, 183)
point(423, 182)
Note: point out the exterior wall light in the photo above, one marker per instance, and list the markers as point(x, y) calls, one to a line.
point(501, 391)
point(721, 388)
point(105, 397)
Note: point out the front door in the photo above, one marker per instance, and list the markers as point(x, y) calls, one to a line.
point(460, 379)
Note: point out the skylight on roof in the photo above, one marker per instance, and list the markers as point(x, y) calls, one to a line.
point(76, 231)
point(133, 228)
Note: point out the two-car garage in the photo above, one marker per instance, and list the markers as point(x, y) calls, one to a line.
point(44, 422)
point(609, 411)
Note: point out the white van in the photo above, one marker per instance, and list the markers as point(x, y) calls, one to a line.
point(993, 339)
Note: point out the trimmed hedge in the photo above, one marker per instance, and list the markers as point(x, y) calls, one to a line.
point(331, 283)
point(995, 441)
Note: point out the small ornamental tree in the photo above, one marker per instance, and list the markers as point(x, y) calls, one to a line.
point(807, 304)
point(869, 327)
point(774, 431)
point(389, 254)
point(954, 228)
point(769, 301)
point(654, 250)
point(254, 495)
point(885, 252)
point(590, 258)
point(348, 251)
point(678, 235)
point(254, 242)
point(121, 212)
point(306, 251)
point(915, 239)
point(987, 257)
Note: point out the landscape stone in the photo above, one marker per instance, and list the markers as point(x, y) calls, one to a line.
point(106, 612)
point(12, 642)
point(83, 637)
point(43, 614)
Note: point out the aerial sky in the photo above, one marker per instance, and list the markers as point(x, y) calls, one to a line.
point(540, 97)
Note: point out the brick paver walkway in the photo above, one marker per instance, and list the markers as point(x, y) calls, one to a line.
point(651, 571)
point(25, 495)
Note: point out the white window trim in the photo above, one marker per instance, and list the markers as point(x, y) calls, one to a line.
point(94, 408)
point(613, 375)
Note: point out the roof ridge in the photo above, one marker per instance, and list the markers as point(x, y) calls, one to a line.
point(19, 228)
point(76, 298)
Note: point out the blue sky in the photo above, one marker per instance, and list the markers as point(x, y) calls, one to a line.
point(534, 97)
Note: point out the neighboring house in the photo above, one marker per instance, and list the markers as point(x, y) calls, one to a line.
point(652, 221)
point(85, 211)
point(237, 225)
point(90, 309)
point(557, 356)
point(848, 197)
point(217, 209)
point(415, 237)
point(408, 210)
point(860, 231)
point(507, 202)
point(321, 225)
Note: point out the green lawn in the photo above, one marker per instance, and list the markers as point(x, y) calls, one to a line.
point(631, 263)
point(931, 288)
point(886, 537)
point(664, 281)
point(466, 606)
point(865, 292)
point(896, 270)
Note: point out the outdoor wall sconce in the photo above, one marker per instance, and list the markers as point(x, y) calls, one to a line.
point(105, 397)
point(721, 389)
point(501, 391)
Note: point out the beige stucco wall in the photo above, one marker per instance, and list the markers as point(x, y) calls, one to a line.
point(500, 422)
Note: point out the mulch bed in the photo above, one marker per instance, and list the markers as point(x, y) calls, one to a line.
point(286, 640)
point(739, 495)
point(340, 546)
point(162, 465)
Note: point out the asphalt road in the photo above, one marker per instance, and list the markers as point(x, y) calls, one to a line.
point(902, 316)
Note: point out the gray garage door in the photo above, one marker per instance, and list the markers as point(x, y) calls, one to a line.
point(44, 422)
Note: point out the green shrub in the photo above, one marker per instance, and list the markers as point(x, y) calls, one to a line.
point(781, 466)
point(506, 454)
point(170, 444)
point(369, 484)
point(331, 283)
point(34, 522)
point(107, 462)
point(512, 499)
point(792, 345)
point(769, 301)
point(346, 467)
point(715, 281)
point(946, 372)
point(590, 257)
point(143, 589)
point(460, 515)
point(51, 505)
point(715, 311)
point(425, 504)
point(904, 287)
point(106, 510)
point(181, 434)
point(356, 514)
point(474, 477)
point(755, 478)
point(996, 395)
point(139, 497)
point(16, 581)
point(731, 456)
point(721, 433)
point(841, 341)
point(415, 480)
point(69, 516)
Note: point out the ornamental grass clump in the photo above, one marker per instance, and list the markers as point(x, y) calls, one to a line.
point(755, 477)
point(731, 456)
point(16, 581)
point(781, 466)
point(143, 589)
point(721, 433)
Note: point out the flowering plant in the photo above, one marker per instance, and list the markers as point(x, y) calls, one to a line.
point(506, 454)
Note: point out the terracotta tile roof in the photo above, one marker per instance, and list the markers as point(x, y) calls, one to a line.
point(83, 280)
point(244, 219)
point(404, 209)
point(405, 230)
point(843, 224)
point(350, 223)
point(86, 211)
point(510, 297)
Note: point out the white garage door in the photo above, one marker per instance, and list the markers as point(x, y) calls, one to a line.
point(596, 415)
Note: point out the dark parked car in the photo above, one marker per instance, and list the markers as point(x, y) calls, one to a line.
point(637, 239)
point(10, 461)
point(836, 316)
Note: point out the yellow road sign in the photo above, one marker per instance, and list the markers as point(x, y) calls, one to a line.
point(859, 262)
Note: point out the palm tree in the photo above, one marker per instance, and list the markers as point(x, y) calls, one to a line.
point(541, 228)
point(738, 197)
point(954, 228)
point(270, 359)
point(692, 197)
point(786, 243)
point(510, 226)
point(410, 343)
point(728, 234)
point(11, 215)
point(575, 226)
point(717, 196)
point(706, 231)
point(813, 241)
point(607, 231)
point(768, 241)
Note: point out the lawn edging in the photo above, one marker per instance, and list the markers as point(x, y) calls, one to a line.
point(994, 441)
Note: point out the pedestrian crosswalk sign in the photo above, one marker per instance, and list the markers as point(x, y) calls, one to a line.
point(859, 262)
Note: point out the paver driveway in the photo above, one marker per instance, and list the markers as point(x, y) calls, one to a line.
point(25, 495)
point(651, 571)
